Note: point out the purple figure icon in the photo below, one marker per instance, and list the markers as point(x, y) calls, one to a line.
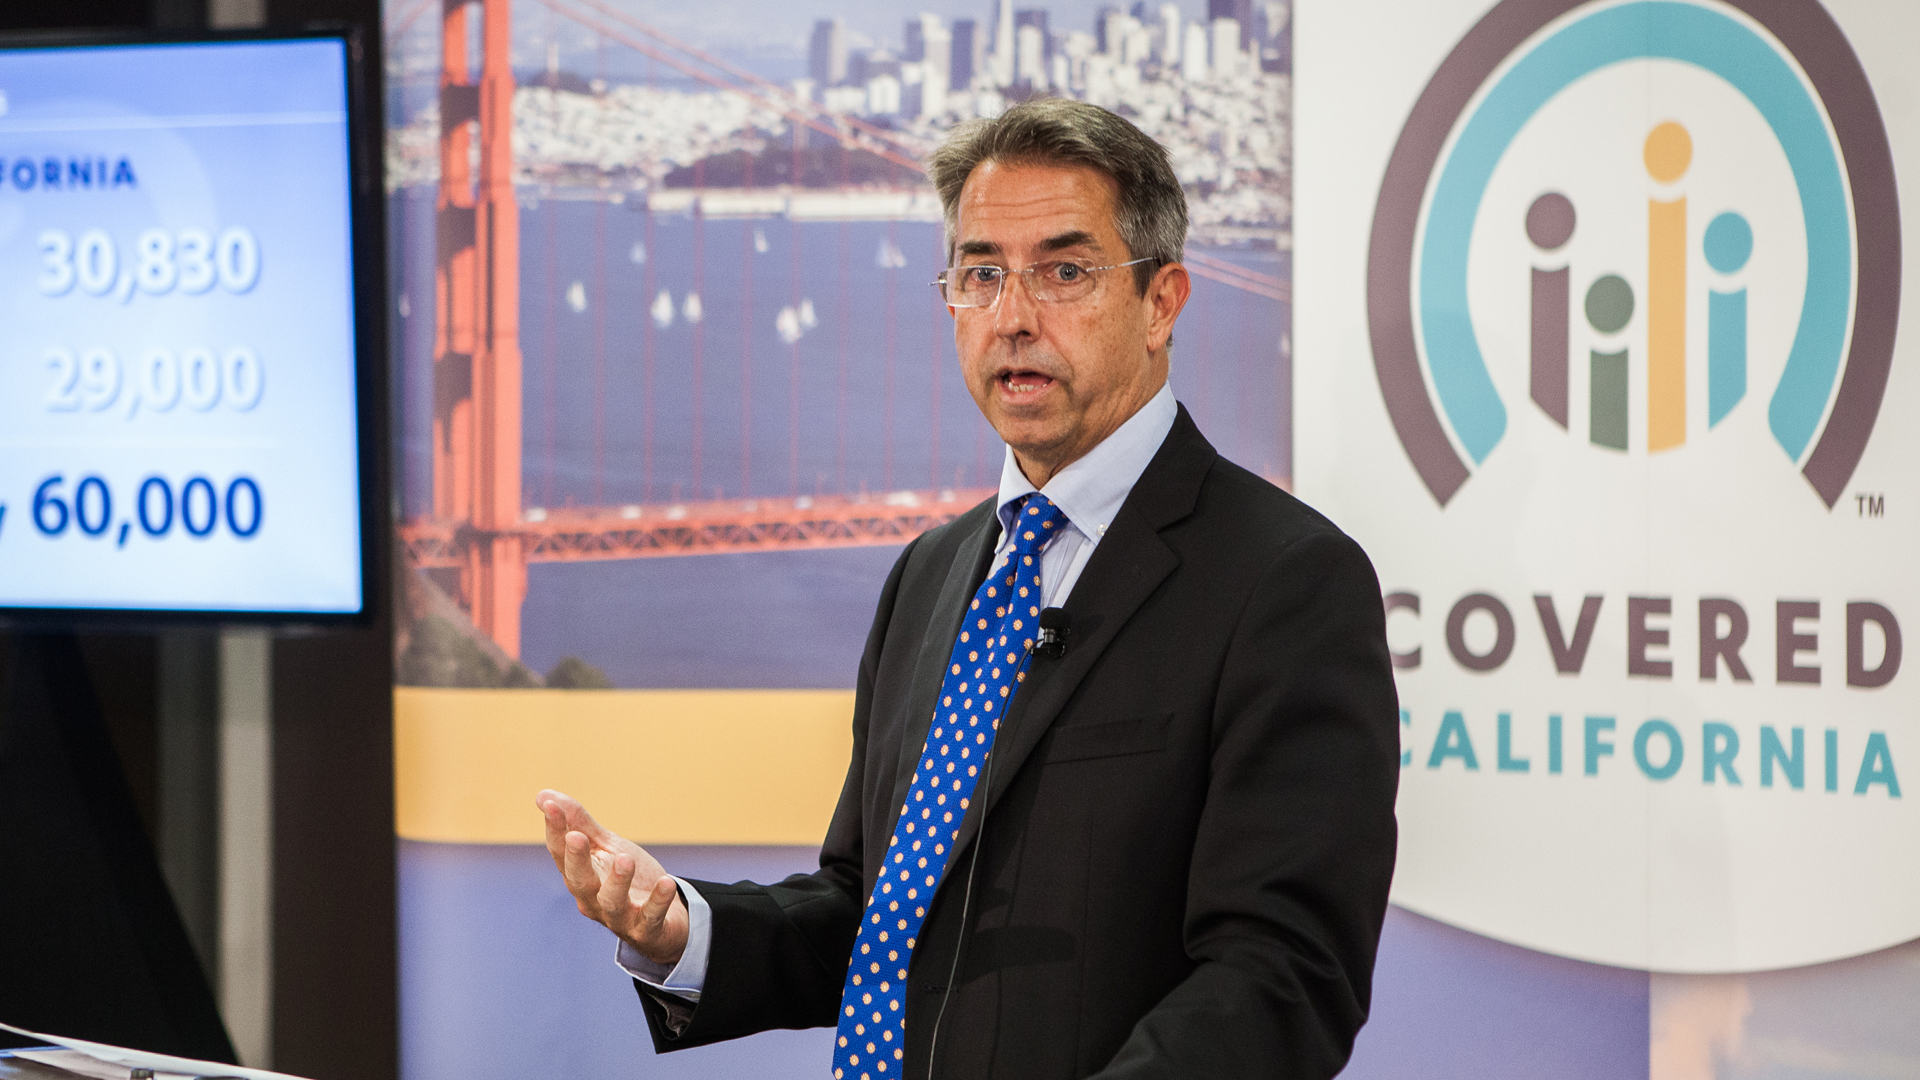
point(1550, 223)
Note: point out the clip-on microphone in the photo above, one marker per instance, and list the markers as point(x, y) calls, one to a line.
point(1054, 629)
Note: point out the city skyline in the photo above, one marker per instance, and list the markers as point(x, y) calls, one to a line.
point(1217, 106)
point(745, 31)
point(1019, 53)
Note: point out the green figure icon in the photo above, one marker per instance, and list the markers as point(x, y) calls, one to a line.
point(1609, 309)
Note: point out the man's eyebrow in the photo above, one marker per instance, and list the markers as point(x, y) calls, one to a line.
point(1076, 238)
point(977, 247)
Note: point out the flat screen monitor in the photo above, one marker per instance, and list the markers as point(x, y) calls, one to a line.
point(187, 371)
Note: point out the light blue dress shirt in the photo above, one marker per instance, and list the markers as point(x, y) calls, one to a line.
point(1090, 492)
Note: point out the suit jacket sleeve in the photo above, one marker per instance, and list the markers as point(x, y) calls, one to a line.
point(1295, 850)
point(780, 952)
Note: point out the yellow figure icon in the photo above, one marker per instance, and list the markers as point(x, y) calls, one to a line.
point(1669, 151)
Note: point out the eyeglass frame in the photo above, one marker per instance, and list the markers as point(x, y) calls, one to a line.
point(1032, 268)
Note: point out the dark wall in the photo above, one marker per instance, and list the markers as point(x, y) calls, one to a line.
point(73, 14)
point(336, 1001)
point(335, 974)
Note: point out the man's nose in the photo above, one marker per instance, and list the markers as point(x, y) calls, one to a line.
point(1016, 313)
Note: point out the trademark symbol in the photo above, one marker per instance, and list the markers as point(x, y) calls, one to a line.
point(1871, 505)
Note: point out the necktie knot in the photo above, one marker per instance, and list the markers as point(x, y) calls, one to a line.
point(1035, 522)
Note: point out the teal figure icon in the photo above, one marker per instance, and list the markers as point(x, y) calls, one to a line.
point(1728, 244)
point(1609, 309)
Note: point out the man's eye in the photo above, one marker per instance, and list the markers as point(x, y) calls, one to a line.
point(1067, 273)
point(981, 275)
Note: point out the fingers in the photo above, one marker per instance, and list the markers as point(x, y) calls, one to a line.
point(614, 898)
point(649, 931)
point(601, 870)
point(576, 866)
point(578, 820)
point(653, 910)
point(552, 806)
point(570, 811)
point(563, 815)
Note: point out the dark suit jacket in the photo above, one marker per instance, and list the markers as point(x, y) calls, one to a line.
point(1190, 826)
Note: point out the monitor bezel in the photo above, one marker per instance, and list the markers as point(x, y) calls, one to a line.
point(366, 220)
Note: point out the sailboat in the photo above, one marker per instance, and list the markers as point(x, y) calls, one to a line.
point(787, 323)
point(662, 309)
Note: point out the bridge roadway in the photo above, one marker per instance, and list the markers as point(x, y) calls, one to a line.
point(727, 526)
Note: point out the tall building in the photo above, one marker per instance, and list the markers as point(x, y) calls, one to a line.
point(883, 95)
point(1273, 33)
point(1240, 11)
point(1193, 52)
point(930, 48)
point(1112, 31)
point(1001, 64)
point(1100, 20)
point(1036, 18)
point(930, 42)
point(870, 64)
point(827, 59)
point(1224, 53)
point(1172, 35)
point(965, 56)
point(1269, 18)
point(1030, 56)
point(1136, 45)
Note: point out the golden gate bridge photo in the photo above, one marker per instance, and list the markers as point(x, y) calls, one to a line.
point(731, 348)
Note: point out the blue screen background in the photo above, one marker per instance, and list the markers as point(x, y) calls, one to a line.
point(250, 135)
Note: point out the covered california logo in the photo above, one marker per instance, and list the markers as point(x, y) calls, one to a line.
point(1632, 289)
point(1649, 277)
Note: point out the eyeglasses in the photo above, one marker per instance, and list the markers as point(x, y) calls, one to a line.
point(1061, 281)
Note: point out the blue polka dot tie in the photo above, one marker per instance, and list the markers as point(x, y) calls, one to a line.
point(989, 661)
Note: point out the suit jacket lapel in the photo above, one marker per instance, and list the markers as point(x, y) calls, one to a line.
point(968, 569)
point(1125, 569)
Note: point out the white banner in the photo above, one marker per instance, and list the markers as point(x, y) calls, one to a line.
point(1597, 355)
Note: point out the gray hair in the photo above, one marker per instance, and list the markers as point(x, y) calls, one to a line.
point(1151, 214)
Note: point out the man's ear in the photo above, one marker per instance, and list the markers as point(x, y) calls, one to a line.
point(1166, 295)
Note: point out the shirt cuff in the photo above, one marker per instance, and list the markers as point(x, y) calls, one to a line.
point(687, 978)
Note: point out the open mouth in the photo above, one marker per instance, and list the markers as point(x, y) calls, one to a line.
point(1025, 382)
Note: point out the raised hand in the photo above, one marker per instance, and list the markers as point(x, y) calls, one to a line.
point(614, 881)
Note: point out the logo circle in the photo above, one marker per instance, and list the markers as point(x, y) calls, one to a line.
point(1806, 31)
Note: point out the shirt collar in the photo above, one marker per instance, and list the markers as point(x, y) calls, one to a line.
point(1090, 490)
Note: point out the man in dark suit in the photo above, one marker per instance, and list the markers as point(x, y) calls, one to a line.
point(1158, 848)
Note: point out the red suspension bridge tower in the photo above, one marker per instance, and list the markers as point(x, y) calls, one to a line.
point(476, 362)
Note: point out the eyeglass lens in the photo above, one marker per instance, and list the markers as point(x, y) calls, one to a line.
point(979, 286)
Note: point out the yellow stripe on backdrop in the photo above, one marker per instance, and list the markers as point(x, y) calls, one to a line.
point(657, 766)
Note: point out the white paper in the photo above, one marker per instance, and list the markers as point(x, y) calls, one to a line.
point(79, 1064)
point(163, 1065)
